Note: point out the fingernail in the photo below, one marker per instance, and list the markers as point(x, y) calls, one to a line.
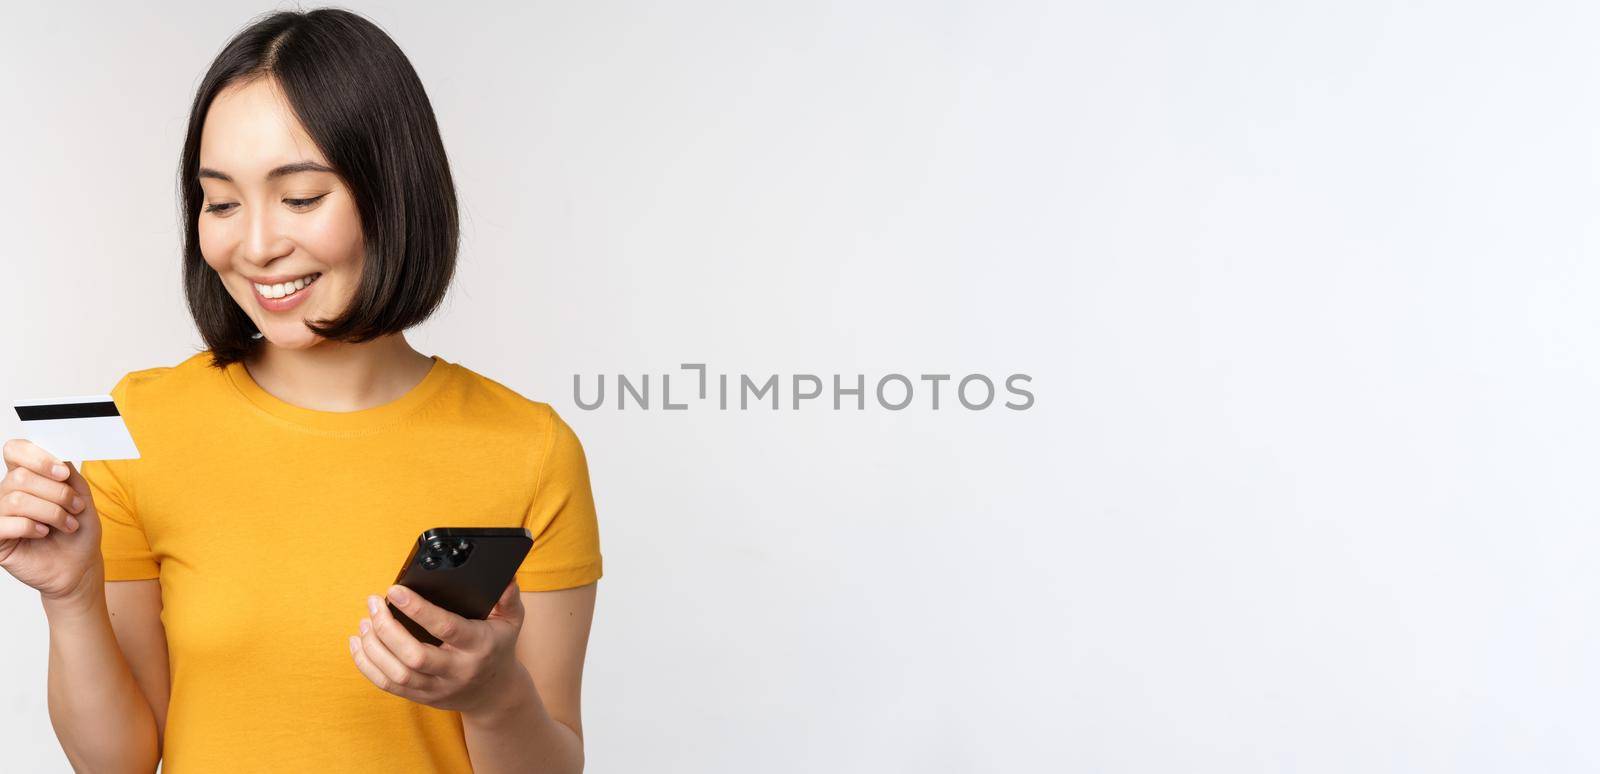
point(354, 644)
point(72, 524)
point(77, 503)
point(59, 470)
point(40, 528)
point(372, 605)
point(365, 627)
point(397, 595)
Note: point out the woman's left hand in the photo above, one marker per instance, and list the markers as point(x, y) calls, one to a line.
point(466, 672)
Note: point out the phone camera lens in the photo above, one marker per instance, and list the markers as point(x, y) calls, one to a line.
point(436, 545)
point(430, 562)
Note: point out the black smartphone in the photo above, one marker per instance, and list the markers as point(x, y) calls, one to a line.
point(461, 569)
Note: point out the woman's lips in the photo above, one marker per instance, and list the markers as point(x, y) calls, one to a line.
point(287, 302)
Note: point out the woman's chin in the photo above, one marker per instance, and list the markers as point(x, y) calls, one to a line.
point(300, 339)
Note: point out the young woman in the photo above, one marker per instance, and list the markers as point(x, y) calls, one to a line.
point(217, 603)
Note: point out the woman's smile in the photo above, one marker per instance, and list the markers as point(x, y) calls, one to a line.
point(278, 294)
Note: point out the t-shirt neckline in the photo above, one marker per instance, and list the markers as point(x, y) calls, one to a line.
point(362, 420)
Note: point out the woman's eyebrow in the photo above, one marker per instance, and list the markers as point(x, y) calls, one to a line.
point(286, 169)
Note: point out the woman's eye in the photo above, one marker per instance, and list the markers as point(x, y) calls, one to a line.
point(303, 202)
point(220, 208)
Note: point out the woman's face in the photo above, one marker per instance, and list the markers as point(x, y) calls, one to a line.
point(275, 215)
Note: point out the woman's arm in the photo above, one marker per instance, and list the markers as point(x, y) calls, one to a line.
point(135, 608)
point(97, 694)
point(537, 726)
point(52, 541)
point(514, 676)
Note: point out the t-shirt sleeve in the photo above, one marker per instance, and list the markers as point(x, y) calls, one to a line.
point(123, 544)
point(566, 533)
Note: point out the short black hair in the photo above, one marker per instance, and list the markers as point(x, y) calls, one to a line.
point(362, 103)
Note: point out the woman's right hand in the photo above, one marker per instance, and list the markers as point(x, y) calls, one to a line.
point(49, 529)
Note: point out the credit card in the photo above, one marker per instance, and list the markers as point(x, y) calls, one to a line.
point(77, 428)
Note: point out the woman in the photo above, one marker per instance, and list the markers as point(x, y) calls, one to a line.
point(216, 604)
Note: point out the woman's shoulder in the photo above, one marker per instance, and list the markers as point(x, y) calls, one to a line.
point(195, 368)
point(487, 396)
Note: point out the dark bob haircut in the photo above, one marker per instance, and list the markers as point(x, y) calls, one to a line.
point(364, 106)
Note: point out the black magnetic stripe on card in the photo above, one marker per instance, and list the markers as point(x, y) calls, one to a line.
point(104, 408)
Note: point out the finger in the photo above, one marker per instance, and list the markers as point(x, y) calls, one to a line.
point(25, 453)
point(373, 674)
point(78, 483)
point(397, 676)
point(60, 493)
point(415, 654)
point(509, 606)
point(28, 505)
point(21, 527)
point(439, 622)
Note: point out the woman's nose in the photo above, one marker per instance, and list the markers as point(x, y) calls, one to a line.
point(264, 240)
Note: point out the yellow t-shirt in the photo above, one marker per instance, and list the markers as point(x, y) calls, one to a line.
point(268, 524)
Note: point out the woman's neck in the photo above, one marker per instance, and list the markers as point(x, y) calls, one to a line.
point(337, 376)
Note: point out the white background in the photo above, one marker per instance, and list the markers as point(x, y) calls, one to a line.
point(1306, 290)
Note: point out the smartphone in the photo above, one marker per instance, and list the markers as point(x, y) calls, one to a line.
point(461, 569)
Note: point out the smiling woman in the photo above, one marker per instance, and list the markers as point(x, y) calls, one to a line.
point(252, 217)
point(215, 604)
point(321, 143)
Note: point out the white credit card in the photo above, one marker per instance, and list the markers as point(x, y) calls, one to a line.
point(77, 428)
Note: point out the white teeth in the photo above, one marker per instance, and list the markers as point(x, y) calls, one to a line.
point(282, 289)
